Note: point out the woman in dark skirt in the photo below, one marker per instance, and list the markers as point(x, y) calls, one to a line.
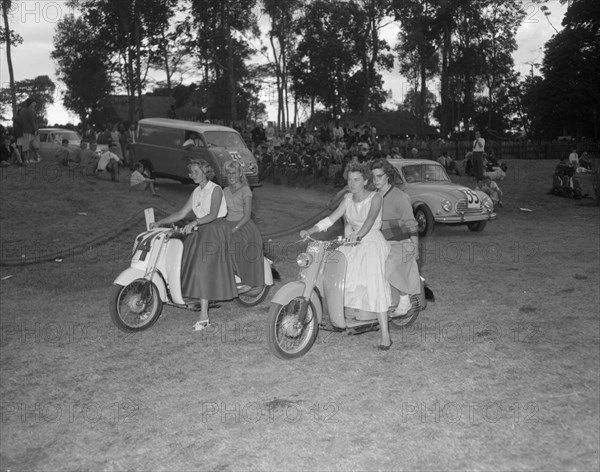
point(207, 269)
point(245, 242)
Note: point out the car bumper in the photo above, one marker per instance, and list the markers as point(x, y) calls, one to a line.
point(253, 180)
point(458, 219)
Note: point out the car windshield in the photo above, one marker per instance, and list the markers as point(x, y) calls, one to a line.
point(224, 139)
point(424, 173)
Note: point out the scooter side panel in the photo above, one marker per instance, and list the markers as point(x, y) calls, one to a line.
point(170, 265)
point(131, 274)
point(293, 290)
point(334, 281)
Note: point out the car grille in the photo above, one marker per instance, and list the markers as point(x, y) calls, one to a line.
point(252, 180)
point(461, 207)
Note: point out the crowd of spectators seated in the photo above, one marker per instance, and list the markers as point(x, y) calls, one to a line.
point(305, 157)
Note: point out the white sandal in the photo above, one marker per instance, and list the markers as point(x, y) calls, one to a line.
point(200, 325)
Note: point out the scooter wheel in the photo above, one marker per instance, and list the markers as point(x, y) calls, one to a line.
point(254, 296)
point(418, 304)
point(288, 337)
point(136, 306)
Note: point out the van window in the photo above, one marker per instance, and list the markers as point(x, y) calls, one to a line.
point(168, 137)
point(225, 139)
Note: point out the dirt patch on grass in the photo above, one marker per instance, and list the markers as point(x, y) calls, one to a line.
point(501, 373)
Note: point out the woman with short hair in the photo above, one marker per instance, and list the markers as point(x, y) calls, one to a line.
point(366, 291)
point(245, 240)
point(207, 270)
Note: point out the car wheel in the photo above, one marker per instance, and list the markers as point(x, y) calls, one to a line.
point(425, 220)
point(477, 226)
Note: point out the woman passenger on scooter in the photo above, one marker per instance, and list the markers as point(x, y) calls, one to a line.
point(245, 241)
point(207, 271)
point(366, 288)
point(400, 229)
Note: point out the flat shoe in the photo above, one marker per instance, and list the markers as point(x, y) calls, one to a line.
point(381, 347)
point(201, 325)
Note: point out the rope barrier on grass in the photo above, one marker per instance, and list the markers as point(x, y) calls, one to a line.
point(129, 223)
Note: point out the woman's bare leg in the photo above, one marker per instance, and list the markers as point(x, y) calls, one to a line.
point(384, 328)
point(203, 309)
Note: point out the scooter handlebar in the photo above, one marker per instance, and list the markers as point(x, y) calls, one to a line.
point(340, 240)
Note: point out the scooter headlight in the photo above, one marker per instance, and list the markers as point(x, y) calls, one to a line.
point(304, 260)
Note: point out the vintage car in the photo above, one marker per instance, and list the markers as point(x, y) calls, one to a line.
point(436, 199)
point(51, 141)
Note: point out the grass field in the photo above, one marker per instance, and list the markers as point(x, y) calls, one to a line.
point(500, 373)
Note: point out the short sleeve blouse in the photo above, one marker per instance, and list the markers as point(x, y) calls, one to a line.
point(201, 199)
point(235, 202)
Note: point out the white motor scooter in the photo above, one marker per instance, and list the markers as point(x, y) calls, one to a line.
point(154, 278)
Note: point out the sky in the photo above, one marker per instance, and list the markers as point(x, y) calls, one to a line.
point(35, 21)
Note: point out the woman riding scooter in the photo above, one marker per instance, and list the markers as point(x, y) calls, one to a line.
point(207, 271)
point(366, 289)
point(400, 229)
point(245, 239)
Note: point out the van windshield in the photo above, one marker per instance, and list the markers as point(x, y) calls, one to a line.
point(225, 139)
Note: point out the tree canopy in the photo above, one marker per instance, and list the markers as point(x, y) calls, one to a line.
point(331, 55)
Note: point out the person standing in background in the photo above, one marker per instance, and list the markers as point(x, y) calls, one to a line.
point(574, 158)
point(29, 122)
point(477, 159)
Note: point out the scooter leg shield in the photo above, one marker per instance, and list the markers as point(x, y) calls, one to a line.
point(268, 272)
point(293, 290)
point(334, 282)
point(130, 274)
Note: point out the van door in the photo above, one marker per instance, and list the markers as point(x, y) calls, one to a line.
point(162, 146)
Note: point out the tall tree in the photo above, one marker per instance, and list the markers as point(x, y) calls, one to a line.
point(373, 52)
point(222, 49)
point(501, 19)
point(282, 15)
point(10, 38)
point(416, 47)
point(334, 62)
point(571, 71)
point(129, 29)
point(326, 54)
point(82, 65)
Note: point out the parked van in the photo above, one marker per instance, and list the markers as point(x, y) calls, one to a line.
point(165, 146)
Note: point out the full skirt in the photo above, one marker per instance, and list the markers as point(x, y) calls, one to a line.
point(246, 248)
point(207, 268)
point(366, 287)
point(401, 269)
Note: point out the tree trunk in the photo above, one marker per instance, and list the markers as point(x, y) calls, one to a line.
point(422, 99)
point(167, 71)
point(138, 64)
point(231, 73)
point(6, 4)
point(445, 122)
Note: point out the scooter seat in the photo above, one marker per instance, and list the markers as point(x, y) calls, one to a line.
point(179, 235)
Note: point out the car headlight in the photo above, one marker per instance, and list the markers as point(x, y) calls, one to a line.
point(488, 203)
point(446, 205)
point(304, 260)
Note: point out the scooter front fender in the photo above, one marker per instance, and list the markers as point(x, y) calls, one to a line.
point(296, 289)
point(130, 274)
